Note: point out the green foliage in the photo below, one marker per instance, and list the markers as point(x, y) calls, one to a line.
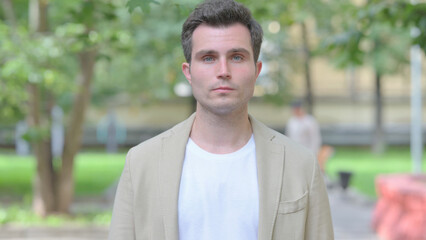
point(143, 4)
point(364, 39)
point(48, 60)
point(404, 14)
point(139, 52)
point(276, 55)
point(37, 134)
point(151, 68)
point(377, 33)
point(25, 59)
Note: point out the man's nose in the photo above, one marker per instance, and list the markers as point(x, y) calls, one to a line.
point(224, 71)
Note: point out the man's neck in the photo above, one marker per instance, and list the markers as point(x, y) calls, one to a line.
point(221, 134)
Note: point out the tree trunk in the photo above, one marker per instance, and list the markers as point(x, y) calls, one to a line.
point(44, 201)
point(38, 16)
point(51, 196)
point(307, 66)
point(65, 187)
point(44, 197)
point(352, 83)
point(379, 144)
point(9, 13)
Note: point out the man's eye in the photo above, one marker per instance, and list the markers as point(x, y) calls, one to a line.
point(208, 59)
point(237, 58)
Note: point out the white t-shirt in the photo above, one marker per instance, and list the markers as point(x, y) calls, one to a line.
point(218, 196)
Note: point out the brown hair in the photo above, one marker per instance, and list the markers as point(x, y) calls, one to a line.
point(221, 13)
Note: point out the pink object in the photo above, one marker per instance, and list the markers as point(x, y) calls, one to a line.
point(400, 213)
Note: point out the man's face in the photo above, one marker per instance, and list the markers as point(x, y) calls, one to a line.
point(222, 72)
point(298, 111)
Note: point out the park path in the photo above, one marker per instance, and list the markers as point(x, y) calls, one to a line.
point(351, 215)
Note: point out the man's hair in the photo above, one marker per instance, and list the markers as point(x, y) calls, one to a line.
point(220, 13)
point(297, 103)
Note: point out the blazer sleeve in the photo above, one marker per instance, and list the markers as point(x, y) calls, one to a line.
point(319, 225)
point(122, 223)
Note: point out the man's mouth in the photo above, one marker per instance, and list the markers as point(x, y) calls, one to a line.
point(223, 89)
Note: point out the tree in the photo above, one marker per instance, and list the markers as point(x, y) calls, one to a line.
point(111, 51)
point(153, 65)
point(40, 58)
point(364, 37)
point(273, 84)
point(308, 18)
point(300, 13)
point(414, 17)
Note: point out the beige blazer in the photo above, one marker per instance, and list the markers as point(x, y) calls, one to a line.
point(293, 202)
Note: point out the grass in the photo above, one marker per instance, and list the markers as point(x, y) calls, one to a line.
point(365, 165)
point(23, 216)
point(94, 173)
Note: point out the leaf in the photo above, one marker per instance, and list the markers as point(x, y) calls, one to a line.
point(36, 134)
point(143, 4)
point(184, 9)
point(132, 5)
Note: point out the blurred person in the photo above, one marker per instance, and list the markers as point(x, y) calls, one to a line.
point(221, 174)
point(303, 128)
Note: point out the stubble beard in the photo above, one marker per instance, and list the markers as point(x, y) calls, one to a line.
point(223, 107)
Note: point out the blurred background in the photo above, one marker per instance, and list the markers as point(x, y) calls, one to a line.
point(82, 81)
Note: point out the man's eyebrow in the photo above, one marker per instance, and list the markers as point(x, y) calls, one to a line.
point(205, 52)
point(233, 50)
point(239, 50)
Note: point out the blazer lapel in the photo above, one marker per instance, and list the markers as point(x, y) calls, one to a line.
point(170, 169)
point(270, 168)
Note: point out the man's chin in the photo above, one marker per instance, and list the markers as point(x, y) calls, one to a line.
point(226, 109)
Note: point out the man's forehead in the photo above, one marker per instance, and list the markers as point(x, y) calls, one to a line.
point(206, 35)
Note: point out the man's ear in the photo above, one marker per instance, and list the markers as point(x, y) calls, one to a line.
point(186, 70)
point(258, 68)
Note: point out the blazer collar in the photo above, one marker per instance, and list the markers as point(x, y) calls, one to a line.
point(270, 167)
point(170, 170)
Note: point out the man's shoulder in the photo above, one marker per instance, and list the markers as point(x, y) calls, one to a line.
point(299, 160)
point(310, 118)
point(291, 147)
point(155, 142)
point(274, 135)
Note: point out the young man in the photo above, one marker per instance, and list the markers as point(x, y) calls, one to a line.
point(221, 174)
